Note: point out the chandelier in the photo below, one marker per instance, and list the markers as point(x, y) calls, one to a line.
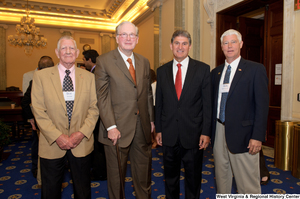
point(27, 34)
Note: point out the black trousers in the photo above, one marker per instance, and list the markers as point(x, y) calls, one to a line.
point(34, 150)
point(192, 163)
point(52, 173)
point(98, 156)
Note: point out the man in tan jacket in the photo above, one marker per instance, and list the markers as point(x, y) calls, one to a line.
point(65, 108)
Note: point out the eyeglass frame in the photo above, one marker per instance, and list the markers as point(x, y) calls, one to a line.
point(125, 35)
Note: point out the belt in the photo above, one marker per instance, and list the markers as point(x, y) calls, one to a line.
point(221, 121)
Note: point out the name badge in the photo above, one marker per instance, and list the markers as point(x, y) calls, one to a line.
point(69, 95)
point(225, 88)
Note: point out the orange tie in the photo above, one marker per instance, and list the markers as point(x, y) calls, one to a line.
point(131, 70)
point(178, 81)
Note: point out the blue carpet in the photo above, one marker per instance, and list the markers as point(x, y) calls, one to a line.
point(16, 180)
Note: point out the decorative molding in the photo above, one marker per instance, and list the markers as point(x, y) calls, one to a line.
point(209, 8)
point(106, 34)
point(66, 30)
point(4, 26)
point(153, 4)
point(222, 4)
point(55, 8)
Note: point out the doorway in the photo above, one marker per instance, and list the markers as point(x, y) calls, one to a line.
point(261, 25)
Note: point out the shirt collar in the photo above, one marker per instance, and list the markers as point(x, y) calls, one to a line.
point(233, 64)
point(63, 69)
point(183, 62)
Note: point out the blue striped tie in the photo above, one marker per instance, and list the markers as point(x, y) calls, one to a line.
point(224, 95)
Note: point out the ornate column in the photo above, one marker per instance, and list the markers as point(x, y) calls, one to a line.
point(3, 78)
point(106, 42)
point(179, 15)
point(288, 60)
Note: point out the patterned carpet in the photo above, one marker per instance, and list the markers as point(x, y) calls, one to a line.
point(16, 180)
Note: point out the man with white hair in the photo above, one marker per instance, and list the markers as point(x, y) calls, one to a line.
point(240, 112)
point(65, 107)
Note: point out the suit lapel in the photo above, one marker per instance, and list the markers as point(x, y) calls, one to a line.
point(188, 77)
point(139, 71)
point(238, 74)
point(170, 79)
point(121, 65)
point(78, 86)
point(217, 77)
point(57, 85)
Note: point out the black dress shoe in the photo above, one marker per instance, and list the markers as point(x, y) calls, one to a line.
point(97, 178)
point(265, 182)
point(34, 173)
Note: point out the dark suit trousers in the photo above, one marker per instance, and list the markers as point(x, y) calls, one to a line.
point(192, 163)
point(98, 156)
point(34, 151)
point(52, 171)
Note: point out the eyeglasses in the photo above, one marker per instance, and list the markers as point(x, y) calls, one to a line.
point(125, 35)
point(232, 42)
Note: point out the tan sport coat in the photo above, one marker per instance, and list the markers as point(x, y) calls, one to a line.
point(49, 109)
point(119, 99)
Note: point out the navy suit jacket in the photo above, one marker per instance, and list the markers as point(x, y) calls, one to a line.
point(185, 119)
point(247, 105)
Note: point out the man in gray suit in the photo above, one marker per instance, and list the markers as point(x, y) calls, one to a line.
point(125, 101)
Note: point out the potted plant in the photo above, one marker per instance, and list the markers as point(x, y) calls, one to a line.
point(4, 137)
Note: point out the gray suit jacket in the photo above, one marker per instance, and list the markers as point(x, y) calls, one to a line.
point(119, 99)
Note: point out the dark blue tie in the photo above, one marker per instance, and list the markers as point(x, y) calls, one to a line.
point(224, 95)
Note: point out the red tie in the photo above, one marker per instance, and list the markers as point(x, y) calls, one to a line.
point(178, 81)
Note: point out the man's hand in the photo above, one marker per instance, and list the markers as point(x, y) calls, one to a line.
point(152, 127)
point(76, 138)
point(159, 139)
point(63, 142)
point(114, 134)
point(254, 146)
point(32, 124)
point(204, 141)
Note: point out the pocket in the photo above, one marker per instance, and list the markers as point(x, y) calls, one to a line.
point(247, 123)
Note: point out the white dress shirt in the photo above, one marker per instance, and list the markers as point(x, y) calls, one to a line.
point(234, 66)
point(184, 67)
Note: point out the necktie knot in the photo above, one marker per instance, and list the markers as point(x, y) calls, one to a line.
point(68, 72)
point(179, 65)
point(129, 61)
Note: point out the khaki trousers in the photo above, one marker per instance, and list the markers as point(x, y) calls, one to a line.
point(243, 166)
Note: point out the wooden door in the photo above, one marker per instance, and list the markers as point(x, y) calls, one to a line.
point(273, 50)
point(262, 43)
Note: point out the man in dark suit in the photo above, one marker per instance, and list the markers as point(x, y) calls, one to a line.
point(64, 105)
point(98, 171)
point(89, 59)
point(240, 112)
point(126, 109)
point(183, 116)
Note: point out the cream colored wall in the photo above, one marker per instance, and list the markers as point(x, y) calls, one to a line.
point(206, 37)
point(145, 45)
point(296, 104)
point(18, 63)
point(167, 29)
